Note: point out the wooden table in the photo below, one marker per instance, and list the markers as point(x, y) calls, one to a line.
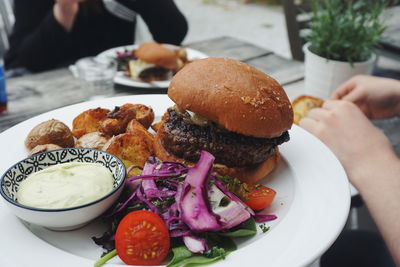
point(34, 94)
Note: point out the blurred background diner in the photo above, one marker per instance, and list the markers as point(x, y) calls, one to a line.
point(43, 35)
point(49, 34)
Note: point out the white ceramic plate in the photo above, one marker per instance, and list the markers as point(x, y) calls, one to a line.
point(312, 204)
point(121, 78)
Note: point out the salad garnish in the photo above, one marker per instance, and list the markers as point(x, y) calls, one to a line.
point(190, 206)
point(122, 59)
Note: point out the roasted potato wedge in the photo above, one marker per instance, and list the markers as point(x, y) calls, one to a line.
point(130, 148)
point(43, 148)
point(116, 121)
point(157, 125)
point(50, 132)
point(88, 121)
point(94, 140)
point(303, 104)
point(144, 115)
point(136, 128)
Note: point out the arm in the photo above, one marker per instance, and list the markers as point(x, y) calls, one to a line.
point(377, 97)
point(163, 18)
point(65, 12)
point(369, 160)
point(38, 40)
point(380, 191)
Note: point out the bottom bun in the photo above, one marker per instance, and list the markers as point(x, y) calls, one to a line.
point(250, 174)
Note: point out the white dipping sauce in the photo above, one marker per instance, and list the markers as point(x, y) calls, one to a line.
point(65, 185)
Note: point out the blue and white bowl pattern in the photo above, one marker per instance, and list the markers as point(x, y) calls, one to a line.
point(20, 171)
point(68, 218)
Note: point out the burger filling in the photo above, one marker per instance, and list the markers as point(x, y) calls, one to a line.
point(186, 134)
point(148, 72)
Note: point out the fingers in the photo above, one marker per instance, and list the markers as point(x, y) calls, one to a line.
point(317, 114)
point(354, 96)
point(313, 119)
point(308, 124)
point(330, 104)
point(343, 89)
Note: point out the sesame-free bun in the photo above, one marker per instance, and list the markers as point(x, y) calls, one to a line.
point(250, 174)
point(234, 95)
point(157, 54)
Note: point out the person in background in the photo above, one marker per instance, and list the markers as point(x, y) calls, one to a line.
point(343, 124)
point(53, 33)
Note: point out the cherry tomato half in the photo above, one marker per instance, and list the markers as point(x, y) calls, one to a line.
point(259, 196)
point(142, 238)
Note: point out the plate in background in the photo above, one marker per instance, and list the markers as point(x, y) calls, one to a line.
point(122, 79)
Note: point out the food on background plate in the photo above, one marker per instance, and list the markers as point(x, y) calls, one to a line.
point(188, 209)
point(230, 109)
point(65, 185)
point(303, 104)
point(50, 132)
point(152, 61)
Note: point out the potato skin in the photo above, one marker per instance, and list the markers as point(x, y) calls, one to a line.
point(88, 121)
point(158, 124)
point(131, 149)
point(144, 115)
point(50, 132)
point(116, 121)
point(136, 128)
point(95, 140)
point(43, 148)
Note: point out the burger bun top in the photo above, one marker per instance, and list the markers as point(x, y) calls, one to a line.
point(157, 54)
point(234, 95)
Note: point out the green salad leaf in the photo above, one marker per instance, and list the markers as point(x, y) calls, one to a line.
point(247, 228)
point(183, 257)
point(220, 246)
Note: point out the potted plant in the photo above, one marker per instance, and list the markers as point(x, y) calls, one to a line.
point(342, 40)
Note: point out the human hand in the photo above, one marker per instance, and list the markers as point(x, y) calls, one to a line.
point(358, 145)
point(377, 97)
point(65, 12)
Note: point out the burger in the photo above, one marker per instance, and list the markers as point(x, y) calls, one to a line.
point(230, 109)
point(156, 62)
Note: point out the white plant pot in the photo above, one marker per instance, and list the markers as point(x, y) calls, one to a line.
point(323, 76)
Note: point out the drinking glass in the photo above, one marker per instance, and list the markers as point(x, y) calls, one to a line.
point(97, 76)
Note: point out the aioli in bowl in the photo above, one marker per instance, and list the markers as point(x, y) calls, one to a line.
point(65, 185)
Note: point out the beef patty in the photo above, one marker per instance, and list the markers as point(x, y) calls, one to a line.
point(186, 140)
point(155, 74)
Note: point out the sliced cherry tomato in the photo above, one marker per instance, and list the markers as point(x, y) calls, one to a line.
point(259, 196)
point(142, 238)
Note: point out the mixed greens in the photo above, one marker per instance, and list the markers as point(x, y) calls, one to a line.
point(199, 212)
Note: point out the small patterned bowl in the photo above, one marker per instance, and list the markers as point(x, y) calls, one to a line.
point(68, 218)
